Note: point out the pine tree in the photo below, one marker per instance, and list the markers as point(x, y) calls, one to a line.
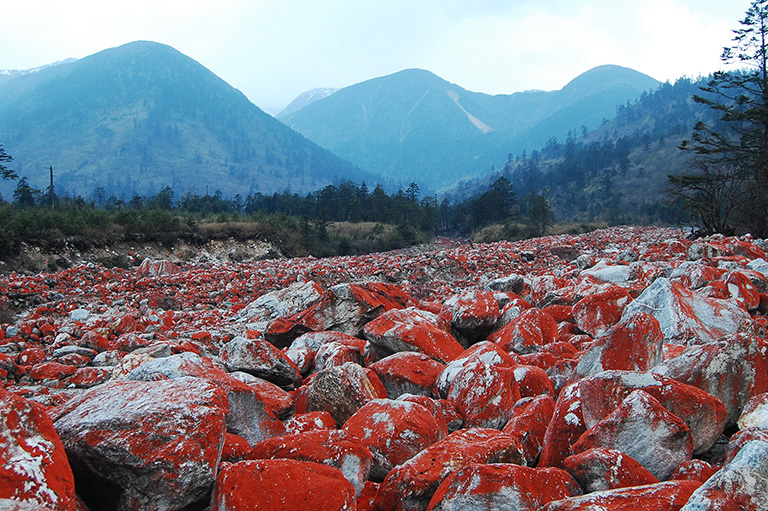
point(733, 154)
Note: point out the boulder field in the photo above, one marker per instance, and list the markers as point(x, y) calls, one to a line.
point(625, 368)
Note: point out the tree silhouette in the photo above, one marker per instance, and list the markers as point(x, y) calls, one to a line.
point(5, 172)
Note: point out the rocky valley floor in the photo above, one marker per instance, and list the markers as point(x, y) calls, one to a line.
point(625, 368)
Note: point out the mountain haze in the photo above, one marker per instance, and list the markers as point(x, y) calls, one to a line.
point(415, 126)
point(141, 116)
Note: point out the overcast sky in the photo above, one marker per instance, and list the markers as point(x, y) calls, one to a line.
point(273, 50)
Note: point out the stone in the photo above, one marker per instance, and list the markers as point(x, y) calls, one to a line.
point(596, 314)
point(565, 428)
point(606, 272)
point(634, 344)
point(157, 268)
point(485, 351)
point(741, 484)
point(284, 302)
point(527, 333)
point(408, 372)
point(479, 487)
point(411, 485)
point(755, 413)
point(346, 308)
point(335, 354)
point(279, 401)
point(251, 414)
point(334, 448)
point(703, 413)
point(394, 432)
point(51, 371)
point(530, 417)
point(281, 485)
point(643, 429)
point(601, 469)
point(443, 411)
point(309, 421)
point(686, 317)
point(303, 350)
point(532, 381)
point(341, 391)
point(33, 464)
point(732, 369)
point(137, 445)
point(693, 470)
point(262, 359)
point(412, 330)
point(472, 312)
point(664, 496)
point(484, 394)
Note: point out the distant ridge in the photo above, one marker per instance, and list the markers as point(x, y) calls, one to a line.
point(304, 99)
point(415, 126)
point(141, 116)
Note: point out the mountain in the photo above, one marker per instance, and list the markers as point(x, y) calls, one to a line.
point(415, 126)
point(138, 117)
point(7, 74)
point(616, 173)
point(304, 99)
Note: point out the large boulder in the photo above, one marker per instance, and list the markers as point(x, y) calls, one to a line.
point(330, 447)
point(480, 487)
point(665, 496)
point(341, 391)
point(33, 464)
point(282, 485)
point(733, 370)
point(595, 314)
point(527, 333)
point(643, 429)
point(484, 394)
point(298, 296)
point(412, 330)
point(633, 344)
point(686, 317)
point(394, 432)
point(262, 359)
point(344, 307)
point(741, 484)
point(136, 445)
point(408, 372)
point(601, 469)
point(472, 312)
point(411, 485)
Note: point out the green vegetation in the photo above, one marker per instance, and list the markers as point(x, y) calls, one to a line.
point(726, 187)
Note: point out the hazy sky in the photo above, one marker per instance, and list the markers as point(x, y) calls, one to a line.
point(273, 50)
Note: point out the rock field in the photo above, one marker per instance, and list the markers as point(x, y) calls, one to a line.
point(625, 368)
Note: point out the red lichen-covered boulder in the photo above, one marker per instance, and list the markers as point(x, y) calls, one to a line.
point(251, 410)
point(601, 469)
point(309, 421)
point(643, 429)
point(341, 391)
point(51, 371)
point(565, 428)
point(410, 486)
point(479, 487)
point(693, 470)
point(732, 370)
point(634, 344)
point(472, 312)
point(281, 485)
point(330, 447)
point(755, 413)
point(344, 307)
point(335, 354)
point(741, 289)
point(33, 465)
point(665, 496)
point(282, 302)
point(444, 412)
point(304, 349)
point(703, 413)
point(412, 330)
point(408, 372)
point(533, 381)
point(741, 484)
point(235, 448)
point(279, 402)
point(596, 314)
point(394, 432)
point(137, 445)
point(484, 394)
point(262, 359)
point(527, 333)
point(156, 268)
point(528, 423)
point(87, 377)
point(485, 351)
point(687, 317)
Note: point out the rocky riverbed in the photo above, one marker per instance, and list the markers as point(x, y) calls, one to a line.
point(623, 367)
